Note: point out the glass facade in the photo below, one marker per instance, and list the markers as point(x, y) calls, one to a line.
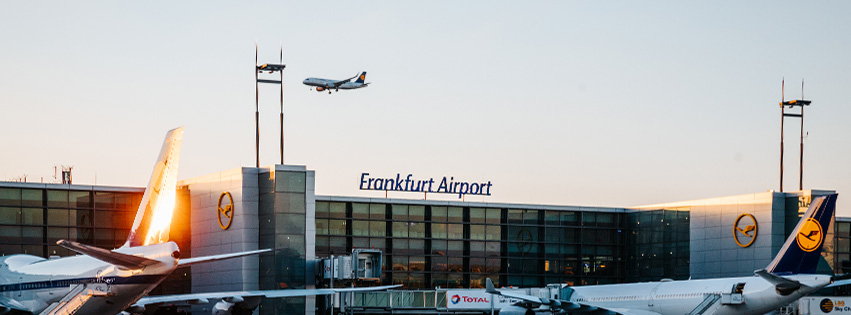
point(658, 245)
point(33, 217)
point(282, 215)
point(458, 246)
point(842, 252)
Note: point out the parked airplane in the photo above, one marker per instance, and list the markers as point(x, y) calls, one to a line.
point(325, 84)
point(788, 277)
point(104, 281)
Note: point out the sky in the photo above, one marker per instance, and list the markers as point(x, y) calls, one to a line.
point(590, 103)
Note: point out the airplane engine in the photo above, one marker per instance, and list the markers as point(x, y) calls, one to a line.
point(515, 310)
point(235, 306)
point(320, 89)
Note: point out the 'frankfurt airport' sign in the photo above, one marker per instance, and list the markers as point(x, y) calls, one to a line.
point(447, 185)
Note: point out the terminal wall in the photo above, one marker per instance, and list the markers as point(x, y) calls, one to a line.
point(208, 238)
point(713, 249)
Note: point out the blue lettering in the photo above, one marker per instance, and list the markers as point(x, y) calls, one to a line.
point(418, 187)
point(443, 186)
point(474, 188)
point(446, 185)
point(398, 186)
point(362, 181)
point(463, 190)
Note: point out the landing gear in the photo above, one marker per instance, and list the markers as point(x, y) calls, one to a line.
point(329, 91)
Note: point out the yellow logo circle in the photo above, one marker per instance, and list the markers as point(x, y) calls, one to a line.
point(227, 211)
point(810, 236)
point(744, 231)
point(826, 305)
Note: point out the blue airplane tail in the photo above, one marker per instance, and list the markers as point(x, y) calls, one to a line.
point(802, 250)
point(361, 77)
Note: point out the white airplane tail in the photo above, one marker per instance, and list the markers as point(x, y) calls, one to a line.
point(153, 219)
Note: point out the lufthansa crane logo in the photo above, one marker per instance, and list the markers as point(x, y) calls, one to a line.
point(810, 235)
point(744, 231)
point(226, 211)
point(826, 305)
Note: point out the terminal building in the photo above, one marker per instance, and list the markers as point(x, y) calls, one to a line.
point(425, 243)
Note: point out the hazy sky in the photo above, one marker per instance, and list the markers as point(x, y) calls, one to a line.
point(576, 103)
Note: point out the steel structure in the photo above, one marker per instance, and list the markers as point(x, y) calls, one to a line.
point(270, 68)
point(791, 104)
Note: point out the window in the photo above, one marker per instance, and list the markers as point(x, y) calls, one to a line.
point(416, 213)
point(438, 214)
point(360, 211)
point(337, 227)
point(33, 216)
point(400, 212)
point(438, 230)
point(477, 215)
point(360, 228)
point(416, 229)
point(57, 198)
point(477, 232)
point(400, 229)
point(377, 211)
point(31, 197)
point(10, 196)
point(337, 210)
point(9, 215)
point(377, 228)
point(455, 215)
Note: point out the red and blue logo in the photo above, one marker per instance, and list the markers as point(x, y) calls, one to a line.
point(455, 299)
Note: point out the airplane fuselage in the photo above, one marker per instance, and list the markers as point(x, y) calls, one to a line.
point(36, 282)
point(682, 297)
point(324, 84)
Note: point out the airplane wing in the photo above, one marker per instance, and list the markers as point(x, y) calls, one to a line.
point(198, 260)
point(338, 83)
point(839, 283)
point(627, 311)
point(115, 258)
point(206, 297)
point(568, 306)
point(7, 305)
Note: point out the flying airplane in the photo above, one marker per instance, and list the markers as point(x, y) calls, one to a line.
point(325, 84)
point(101, 281)
point(788, 277)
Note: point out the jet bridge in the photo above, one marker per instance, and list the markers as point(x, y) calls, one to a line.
point(362, 266)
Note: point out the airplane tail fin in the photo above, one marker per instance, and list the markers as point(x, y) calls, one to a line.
point(153, 219)
point(361, 77)
point(802, 250)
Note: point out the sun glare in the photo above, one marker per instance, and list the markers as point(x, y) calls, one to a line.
point(163, 194)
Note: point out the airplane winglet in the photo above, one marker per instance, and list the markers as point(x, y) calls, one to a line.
point(489, 286)
point(115, 258)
